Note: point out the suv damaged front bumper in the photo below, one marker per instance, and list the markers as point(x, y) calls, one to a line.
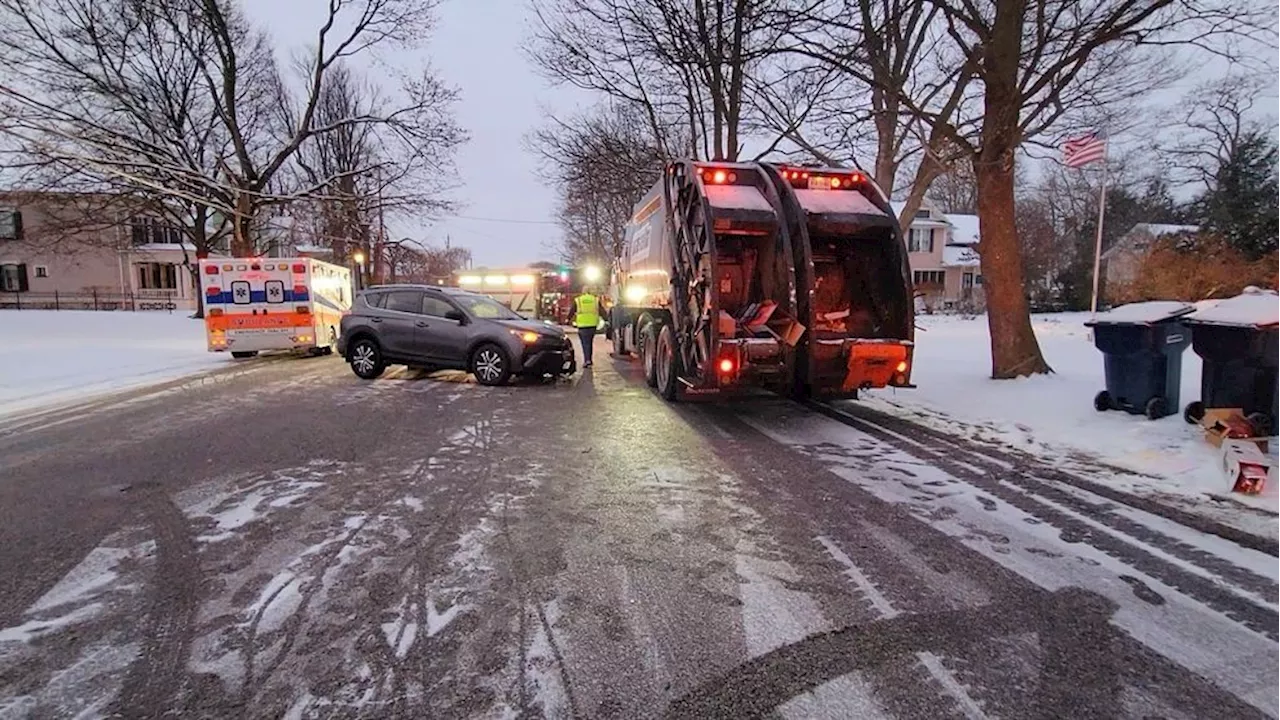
point(548, 361)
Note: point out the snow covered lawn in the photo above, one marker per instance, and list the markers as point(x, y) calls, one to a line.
point(51, 357)
point(1053, 415)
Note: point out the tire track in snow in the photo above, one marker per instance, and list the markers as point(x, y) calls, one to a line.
point(155, 679)
point(931, 662)
point(1030, 496)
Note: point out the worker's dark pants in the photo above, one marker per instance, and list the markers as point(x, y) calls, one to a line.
point(587, 336)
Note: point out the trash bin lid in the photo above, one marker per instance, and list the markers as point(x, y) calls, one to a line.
point(1254, 307)
point(1143, 313)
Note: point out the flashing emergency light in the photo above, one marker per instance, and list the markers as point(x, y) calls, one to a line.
point(210, 269)
point(591, 273)
point(726, 365)
point(521, 279)
point(469, 280)
point(564, 274)
point(495, 280)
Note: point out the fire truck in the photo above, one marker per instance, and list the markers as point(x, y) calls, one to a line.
point(740, 275)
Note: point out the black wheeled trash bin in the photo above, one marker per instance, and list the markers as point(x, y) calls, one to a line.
point(1142, 346)
point(1237, 339)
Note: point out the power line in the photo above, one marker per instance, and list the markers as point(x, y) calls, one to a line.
point(504, 220)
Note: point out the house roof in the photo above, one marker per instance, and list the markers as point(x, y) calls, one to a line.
point(1158, 229)
point(959, 256)
point(898, 206)
point(1154, 230)
point(964, 229)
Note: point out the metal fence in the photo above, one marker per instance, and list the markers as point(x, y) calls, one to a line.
point(92, 300)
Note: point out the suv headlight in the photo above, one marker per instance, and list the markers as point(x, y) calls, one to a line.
point(526, 336)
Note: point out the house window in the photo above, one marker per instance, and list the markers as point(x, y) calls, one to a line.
point(922, 215)
point(13, 278)
point(920, 240)
point(10, 224)
point(42, 271)
point(928, 277)
point(153, 231)
point(977, 279)
point(157, 276)
point(967, 281)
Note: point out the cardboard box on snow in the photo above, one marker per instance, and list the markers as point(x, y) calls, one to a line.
point(1247, 468)
point(1222, 424)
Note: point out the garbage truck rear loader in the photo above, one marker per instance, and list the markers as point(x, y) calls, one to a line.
point(704, 291)
point(852, 278)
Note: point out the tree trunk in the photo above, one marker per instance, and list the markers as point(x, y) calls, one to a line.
point(1015, 352)
point(242, 236)
point(1014, 349)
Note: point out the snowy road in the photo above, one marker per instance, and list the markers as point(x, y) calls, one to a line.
point(288, 541)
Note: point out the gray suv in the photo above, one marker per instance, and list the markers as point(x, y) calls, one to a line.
point(449, 328)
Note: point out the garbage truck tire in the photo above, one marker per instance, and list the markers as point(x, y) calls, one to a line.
point(648, 353)
point(668, 363)
point(1156, 408)
point(1193, 413)
point(1102, 401)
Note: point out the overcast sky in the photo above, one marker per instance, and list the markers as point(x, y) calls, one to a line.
point(507, 218)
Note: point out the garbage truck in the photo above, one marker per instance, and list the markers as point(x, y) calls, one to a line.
point(737, 275)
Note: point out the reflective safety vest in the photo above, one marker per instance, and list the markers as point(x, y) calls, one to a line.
point(587, 311)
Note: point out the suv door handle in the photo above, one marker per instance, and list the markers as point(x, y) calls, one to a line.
point(422, 324)
point(375, 319)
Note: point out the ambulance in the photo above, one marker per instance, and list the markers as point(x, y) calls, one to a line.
point(259, 304)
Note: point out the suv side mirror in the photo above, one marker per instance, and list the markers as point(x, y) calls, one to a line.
point(456, 316)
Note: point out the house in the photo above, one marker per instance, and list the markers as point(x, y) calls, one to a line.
point(941, 250)
point(94, 251)
point(1121, 260)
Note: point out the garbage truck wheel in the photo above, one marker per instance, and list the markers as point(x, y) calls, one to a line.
point(648, 353)
point(1102, 401)
point(1193, 413)
point(1261, 423)
point(668, 362)
point(1157, 408)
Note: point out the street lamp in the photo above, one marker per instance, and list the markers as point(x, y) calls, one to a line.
point(359, 258)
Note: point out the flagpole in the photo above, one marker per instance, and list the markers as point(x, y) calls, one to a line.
point(1097, 245)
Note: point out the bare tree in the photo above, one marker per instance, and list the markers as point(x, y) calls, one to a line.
point(1022, 72)
point(684, 65)
point(1208, 125)
point(76, 82)
point(956, 191)
point(880, 54)
point(368, 174)
point(601, 164)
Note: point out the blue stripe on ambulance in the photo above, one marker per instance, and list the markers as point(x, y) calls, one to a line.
point(255, 296)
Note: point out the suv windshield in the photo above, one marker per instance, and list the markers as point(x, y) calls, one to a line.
point(486, 308)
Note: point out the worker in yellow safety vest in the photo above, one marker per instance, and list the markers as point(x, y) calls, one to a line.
point(586, 317)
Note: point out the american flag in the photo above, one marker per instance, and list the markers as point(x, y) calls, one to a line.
point(1078, 152)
